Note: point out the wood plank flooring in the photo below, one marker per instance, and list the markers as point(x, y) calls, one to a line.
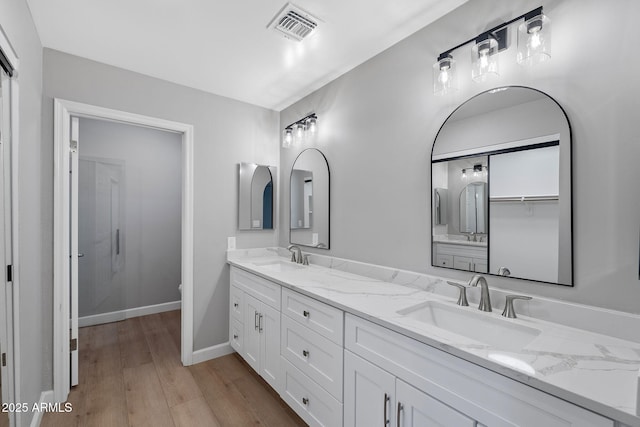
point(130, 374)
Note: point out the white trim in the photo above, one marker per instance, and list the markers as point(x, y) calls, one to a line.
point(212, 352)
point(115, 316)
point(13, 349)
point(46, 397)
point(63, 109)
point(497, 147)
point(8, 50)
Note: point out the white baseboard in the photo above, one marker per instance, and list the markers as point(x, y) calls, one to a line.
point(212, 352)
point(115, 316)
point(45, 398)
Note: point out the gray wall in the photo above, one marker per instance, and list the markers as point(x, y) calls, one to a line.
point(227, 132)
point(35, 191)
point(377, 124)
point(150, 188)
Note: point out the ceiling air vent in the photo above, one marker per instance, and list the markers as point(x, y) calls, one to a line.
point(293, 22)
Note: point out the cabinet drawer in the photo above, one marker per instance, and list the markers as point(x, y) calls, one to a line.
point(317, 357)
point(319, 317)
point(314, 405)
point(262, 289)
point(444, 260)
point(479, 393)
point(235, 335)
point(236, 300)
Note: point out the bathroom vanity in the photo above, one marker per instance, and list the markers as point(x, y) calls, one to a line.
point(346, 343)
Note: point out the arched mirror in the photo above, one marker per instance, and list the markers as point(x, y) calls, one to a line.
point(255, 197)
point(507, 153)
point(309, 200)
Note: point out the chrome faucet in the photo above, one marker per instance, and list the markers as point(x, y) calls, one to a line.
point(503, 271)
point(485, 300)
point(296, 254)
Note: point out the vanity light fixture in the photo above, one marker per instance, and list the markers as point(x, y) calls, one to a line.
point(534, 45)
point(298, 131)
point(478, 171)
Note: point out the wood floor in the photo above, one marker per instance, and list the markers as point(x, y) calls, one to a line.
point(130, 374)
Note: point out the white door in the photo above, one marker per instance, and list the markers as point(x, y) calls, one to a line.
point(73, 256)
point(269, 328)
point(417, 409)
point(251, 352)
point(369, 399)
point(6, 314)
point(99, 234)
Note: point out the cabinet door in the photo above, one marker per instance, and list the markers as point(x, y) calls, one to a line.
point(269, 330)
point(369, 399)
point(417, 409)
point(251, 352)
point(480, 265)
point(462, 263)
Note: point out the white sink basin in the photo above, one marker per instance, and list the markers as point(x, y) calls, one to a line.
point(278, 265)
point(466, 321)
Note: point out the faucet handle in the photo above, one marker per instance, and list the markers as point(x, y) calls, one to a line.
point(508, 305)
point(305, 259)
point(293, 256)
point(462, 297)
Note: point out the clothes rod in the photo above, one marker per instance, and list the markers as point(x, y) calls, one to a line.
point(524, 199)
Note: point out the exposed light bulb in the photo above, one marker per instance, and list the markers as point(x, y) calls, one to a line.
point(484, 59)
point(443, 77)
point(534, 41)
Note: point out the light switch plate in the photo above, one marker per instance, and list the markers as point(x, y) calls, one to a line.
point(231, 243)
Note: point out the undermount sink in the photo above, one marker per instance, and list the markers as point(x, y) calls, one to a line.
point(278, 265)
point(481, 327)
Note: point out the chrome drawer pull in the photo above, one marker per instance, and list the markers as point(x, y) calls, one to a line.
point(386, 400)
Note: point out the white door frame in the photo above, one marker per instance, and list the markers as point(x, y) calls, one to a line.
point(63, 110)
point(13, 292)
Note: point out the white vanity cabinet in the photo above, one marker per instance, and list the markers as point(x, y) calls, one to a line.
point(461, 256)
point(255, 324)
point(413, 374)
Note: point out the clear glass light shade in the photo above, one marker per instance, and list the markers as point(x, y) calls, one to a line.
point(298, 133)
point(312, 125)
point(534, 40)
point(444, 76)
point(484, 61)
point(287, 137)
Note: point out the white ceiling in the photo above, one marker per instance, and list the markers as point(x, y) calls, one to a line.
point(224, 47)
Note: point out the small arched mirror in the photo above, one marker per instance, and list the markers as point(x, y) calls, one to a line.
point(255, 197)
point(507, 153)
point(309, 200)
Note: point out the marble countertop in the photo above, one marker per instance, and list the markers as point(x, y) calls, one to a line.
point(592, 370)
point(447, 240)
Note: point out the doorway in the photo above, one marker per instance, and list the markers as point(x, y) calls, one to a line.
point(68, 143)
